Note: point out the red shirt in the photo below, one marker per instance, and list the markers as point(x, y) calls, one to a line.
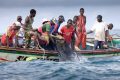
point(67, 33)
point(10, 33)
point(40, 30)
point(81, 23)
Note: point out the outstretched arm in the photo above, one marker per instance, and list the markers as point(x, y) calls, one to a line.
point(89, 32)
point(26, 21)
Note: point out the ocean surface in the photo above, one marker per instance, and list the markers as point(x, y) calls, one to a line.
point(102, 68)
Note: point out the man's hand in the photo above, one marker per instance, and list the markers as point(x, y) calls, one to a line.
point(110, 38)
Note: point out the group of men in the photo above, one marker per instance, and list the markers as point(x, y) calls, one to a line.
point(73, 33)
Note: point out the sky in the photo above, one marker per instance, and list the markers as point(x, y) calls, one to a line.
point(10, 9)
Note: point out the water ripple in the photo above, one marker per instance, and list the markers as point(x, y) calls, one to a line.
point(92, 69)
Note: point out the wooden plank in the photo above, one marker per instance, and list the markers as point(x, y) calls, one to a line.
point(29, 50)
point(113, 38)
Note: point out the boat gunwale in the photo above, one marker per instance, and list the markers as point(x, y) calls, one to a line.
point(51, 52)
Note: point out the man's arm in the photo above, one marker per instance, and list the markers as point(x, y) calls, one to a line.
point(7, 40)
point(47, 31)
point(106, 35)
point(89, 32)
point(55, 28)
point(26, 22)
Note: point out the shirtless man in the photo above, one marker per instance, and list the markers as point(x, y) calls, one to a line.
point(28, 27)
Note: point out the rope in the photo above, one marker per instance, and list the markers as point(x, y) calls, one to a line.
point(42, 50)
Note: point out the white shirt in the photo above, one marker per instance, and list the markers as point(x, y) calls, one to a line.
point(99, 28)
point(21, 32)
point(59, 30)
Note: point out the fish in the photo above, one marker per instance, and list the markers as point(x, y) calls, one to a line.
point(65, 52)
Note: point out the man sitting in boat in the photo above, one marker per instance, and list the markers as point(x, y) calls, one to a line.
point(67, 32)
point(7, 38)
point(100, 29)
point(20, 36)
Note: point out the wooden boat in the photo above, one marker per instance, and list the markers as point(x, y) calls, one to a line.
point(21, 54)
point(14, 54)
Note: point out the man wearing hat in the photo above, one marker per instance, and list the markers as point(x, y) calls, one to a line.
point(46, 40)
point(45, 33)
point(99, 28)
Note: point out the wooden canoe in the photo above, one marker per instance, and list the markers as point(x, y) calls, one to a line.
point(12, 54)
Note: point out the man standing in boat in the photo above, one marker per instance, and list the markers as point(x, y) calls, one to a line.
point(81, 31)
point(110, 27)
point(28, 26)
point(67, 32)
point(108, 36)
point(100, 29)
point(75, 18)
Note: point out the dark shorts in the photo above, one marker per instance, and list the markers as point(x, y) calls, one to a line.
point(98, 44)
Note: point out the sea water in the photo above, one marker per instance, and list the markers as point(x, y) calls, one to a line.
point(100, 68)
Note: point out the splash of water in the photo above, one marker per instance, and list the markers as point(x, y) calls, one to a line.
point(67, 54)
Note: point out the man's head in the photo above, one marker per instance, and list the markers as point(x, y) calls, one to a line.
point(16, 26)
point(75, 18)
point(99, 18)
point(110, 26)
point(61, 19)
point(45, 20)
point(53, 21)
point(32, 12)
point(19, 19)
point(69, 23)
point(81, 11)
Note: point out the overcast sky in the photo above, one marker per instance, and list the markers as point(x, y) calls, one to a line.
point(29, 3)
point(10, 9)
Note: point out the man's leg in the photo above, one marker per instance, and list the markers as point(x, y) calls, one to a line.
point(96, 44)
point(27, 39)
point(100, 45)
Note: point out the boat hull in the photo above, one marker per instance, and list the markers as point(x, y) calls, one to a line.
point(13, 54)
